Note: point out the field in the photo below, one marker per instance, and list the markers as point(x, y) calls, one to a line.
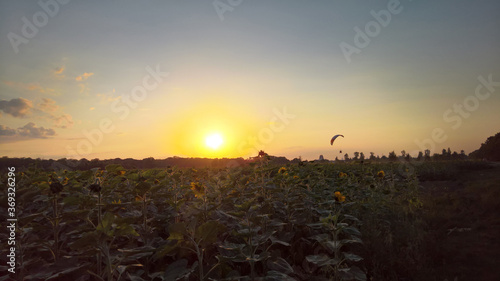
point(306, 221)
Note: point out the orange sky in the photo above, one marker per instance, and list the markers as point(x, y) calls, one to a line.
point(125, 80)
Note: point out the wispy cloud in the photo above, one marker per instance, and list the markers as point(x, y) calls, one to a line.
point(59, 72)
point(64, 121)
point(48, 105)
point(84, 76)
point(82, 81)
point(29, 87)
point(107, 98)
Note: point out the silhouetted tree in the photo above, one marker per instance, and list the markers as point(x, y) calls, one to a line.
point(489, 150)
point(372, 156)
point(427, 154)
point(392, 156)
point(420, 155)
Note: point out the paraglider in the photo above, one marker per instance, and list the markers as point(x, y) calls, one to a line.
point(334, 138)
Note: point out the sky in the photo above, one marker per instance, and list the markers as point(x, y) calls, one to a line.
point(120, 79)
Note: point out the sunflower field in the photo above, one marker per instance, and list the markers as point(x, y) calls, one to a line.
point(306, 221)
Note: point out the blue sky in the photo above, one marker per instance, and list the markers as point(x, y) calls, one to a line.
point(231, 74)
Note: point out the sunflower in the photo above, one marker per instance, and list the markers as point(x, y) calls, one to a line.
point(339, 197)
point(56, 187)
point(197, 188)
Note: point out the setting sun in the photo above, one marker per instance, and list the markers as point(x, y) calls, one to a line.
point(214, 141)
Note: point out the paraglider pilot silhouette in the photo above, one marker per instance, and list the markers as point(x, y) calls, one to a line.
point(334, 138)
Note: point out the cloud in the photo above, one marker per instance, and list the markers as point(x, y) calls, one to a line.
point(47, 109)
point(32, 131)
point(48, 105)
point(6, 131)
point(64, 121)
point(19, 107)
point(59, 70)
point(107, 98)
point(82, 87)
point(84, 76)
point(29, 87)
point(29, 130)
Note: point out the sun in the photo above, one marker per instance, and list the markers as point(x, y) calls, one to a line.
point(214, 141)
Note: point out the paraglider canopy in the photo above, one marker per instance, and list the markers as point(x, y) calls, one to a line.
point(334, 138)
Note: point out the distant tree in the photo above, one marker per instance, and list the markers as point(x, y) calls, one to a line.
point(392, 156)
point(489, 150)
point(462, 154)
point(372, 156)
point(420, 155)
point(356, 155)
point(361, 156)
point(346, 157)
point(427, 154)
point(403, 153)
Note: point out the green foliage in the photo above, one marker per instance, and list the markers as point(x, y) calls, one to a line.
point(262, 222)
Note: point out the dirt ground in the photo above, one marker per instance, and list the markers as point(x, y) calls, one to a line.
point(463, 222)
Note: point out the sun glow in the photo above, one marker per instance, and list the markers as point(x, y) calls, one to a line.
point(210, 128)
point(214, 141)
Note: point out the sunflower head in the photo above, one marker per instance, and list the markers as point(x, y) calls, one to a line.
point(197, 188)
point(339, 197)
point(56, 187)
